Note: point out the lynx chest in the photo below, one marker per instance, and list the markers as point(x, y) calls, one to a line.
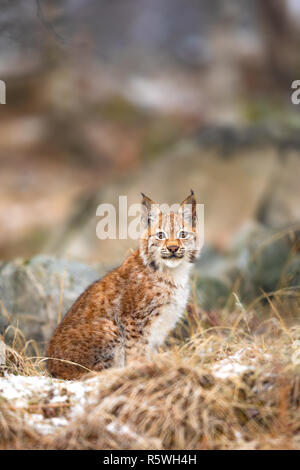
point(168, 316)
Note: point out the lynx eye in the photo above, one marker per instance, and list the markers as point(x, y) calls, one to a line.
point(183, 234)
point(160, 235)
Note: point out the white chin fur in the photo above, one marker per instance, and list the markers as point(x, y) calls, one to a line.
point(172, 263)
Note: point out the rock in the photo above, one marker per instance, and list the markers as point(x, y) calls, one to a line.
point(280, 207)
point(215, 273)
point(211, 293)
point(291, 276)
point(217, 265)
point(208, 296)
point(259, 260)
point(35, 294)
point(261, 256)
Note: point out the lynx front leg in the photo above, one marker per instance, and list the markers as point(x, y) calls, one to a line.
point(136, 344)
point(119, 357)
point(136, 351)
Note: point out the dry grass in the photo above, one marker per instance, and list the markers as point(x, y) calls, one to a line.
point(223, 389)
point(234, 384)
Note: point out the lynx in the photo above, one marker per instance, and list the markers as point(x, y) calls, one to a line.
point(129, 313)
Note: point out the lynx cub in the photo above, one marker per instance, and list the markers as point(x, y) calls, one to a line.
point(129, 312)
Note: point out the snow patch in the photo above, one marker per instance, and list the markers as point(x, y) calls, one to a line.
point(41, 397)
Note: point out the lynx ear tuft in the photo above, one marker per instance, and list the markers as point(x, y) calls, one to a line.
point(190, 199)
point(147, 202)
point(188, 209)
point(150, 210)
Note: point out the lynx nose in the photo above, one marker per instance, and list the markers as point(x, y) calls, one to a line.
point(173, 248)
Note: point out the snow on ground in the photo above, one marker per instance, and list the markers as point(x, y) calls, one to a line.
point(47, 403)
point(41, 398)
point(233, 365)
point(226, 369)
point(243, 360)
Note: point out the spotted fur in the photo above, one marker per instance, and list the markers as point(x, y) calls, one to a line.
point(128, 313)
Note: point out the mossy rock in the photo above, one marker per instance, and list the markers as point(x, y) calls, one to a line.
point(211, 293)
point(261, 257)
point(291, 275)
point(267, 263)
point(35, 292)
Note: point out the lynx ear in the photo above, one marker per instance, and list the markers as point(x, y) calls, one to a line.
point(188, 209)
point(150, 211)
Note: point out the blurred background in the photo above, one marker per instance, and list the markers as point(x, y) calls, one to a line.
point(107, 98)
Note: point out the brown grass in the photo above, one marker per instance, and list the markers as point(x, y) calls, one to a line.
point(179, 401)
point(234, 384)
